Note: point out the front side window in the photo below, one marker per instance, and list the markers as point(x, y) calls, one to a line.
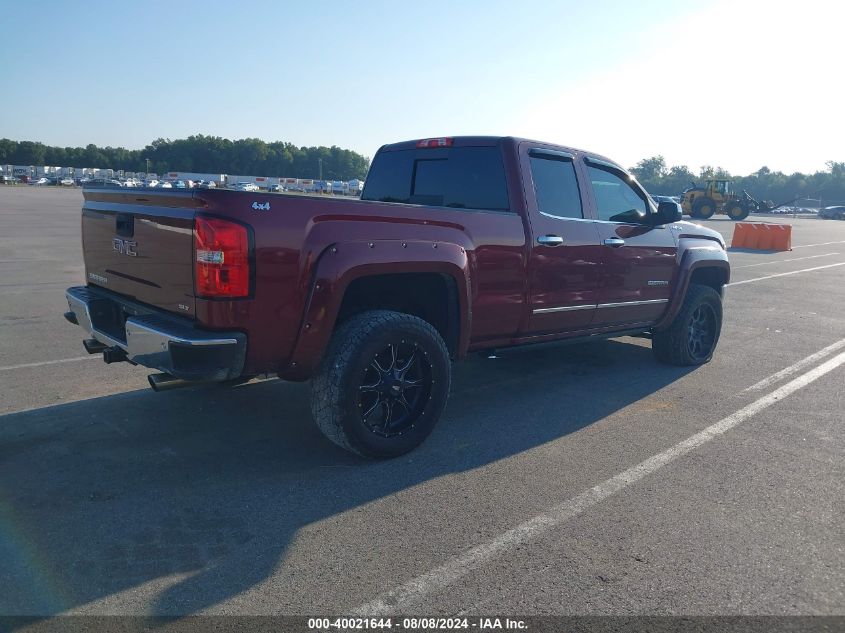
point(616, 199)
point(556, 187)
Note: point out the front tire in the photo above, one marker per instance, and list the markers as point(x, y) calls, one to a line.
point(692, 337)
point(382, 384)
point(737, 213)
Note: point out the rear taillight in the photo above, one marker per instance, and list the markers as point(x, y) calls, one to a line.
point(435, 142)
point(221, 252)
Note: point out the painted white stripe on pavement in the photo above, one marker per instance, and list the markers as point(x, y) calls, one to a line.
point(49, 362)
point(794, 369)
point(783, 261)
point(450, 572)
point(794, 272)
point(822, 244)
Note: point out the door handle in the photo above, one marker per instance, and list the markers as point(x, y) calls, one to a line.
point(614, 242)
point(550, 240)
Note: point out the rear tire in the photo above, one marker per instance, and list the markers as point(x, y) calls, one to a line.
point(692, 337)
point(382, 384)
point(704, 208)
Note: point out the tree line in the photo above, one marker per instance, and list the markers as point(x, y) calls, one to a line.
point(202, 154)
point(764, 184)
point(214, 154)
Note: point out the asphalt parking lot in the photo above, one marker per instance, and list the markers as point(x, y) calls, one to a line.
point(561, 480)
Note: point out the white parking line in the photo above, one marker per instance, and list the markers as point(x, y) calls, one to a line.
point(794, 369)
point(783, 261)
point(822, 244)
point(453, 570)
point(794, 272)
point(49, 362)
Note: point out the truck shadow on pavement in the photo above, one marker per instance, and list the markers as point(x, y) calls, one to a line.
point(190, 498)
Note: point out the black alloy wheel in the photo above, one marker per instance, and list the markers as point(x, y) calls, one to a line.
point(382, 384)
point(701, 337)
point(692, 336)
point(395, 388)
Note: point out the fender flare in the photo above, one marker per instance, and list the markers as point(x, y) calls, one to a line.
point(343, 262)
point(695, 257)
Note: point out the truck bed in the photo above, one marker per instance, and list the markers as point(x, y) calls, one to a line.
point(138, 245)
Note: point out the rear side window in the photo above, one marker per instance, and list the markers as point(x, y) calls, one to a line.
point(556, 187)
point(457, 177)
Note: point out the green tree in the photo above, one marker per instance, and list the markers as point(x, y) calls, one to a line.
point(678, 179)
point(837, 169)
point(8, 148)
point(650, 169)
point(31, 153)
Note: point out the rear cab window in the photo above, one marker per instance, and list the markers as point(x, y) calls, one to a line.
point(463, 177)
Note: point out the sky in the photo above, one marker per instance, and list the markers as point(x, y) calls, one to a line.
point(738, 84)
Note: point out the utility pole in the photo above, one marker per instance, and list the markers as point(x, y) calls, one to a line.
point(320, 163)
point(148, 167)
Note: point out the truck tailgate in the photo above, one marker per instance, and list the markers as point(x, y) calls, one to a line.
point(140, 244)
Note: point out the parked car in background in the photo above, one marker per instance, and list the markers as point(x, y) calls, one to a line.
point(66, 182)
point(659, 199)
point(206, 184)
point(245, 186)
point(151, 183)
point(103, 182)
point(276, 188)
point(8, 180)
point(164, 184)
point(833, 213)
point(40, 181)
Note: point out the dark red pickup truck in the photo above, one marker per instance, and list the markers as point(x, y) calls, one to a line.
point(457, 245)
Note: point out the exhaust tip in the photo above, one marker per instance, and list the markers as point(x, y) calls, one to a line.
point(166, 382)
point(159, 381)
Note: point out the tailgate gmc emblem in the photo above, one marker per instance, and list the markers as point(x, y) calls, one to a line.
point(124, 247)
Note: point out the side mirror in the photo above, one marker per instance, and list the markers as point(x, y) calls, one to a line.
point(668, 212)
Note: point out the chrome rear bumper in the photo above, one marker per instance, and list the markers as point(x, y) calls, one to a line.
point(155, 339)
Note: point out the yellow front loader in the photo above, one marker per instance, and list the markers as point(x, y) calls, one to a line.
point(717, 196)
